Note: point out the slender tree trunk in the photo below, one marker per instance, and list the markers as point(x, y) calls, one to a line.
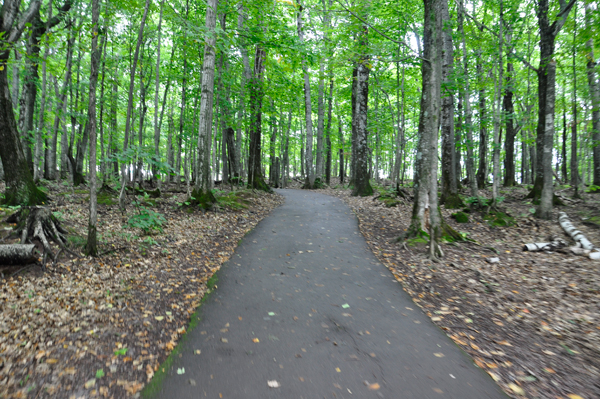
point(128, 118)
point(20, 187)
point(255, 178)
point(156, 90)
point(425, 184)
point(203, 174)
point(310, 174)
point(466, 93)
point(449, 196)
point(498, 112)
point(594, 88)
point(546, 104)
point(320, 121)
point(92, 246)
point(575, 176)
point(482, 170)
point(328, 130)
point(41, 128)
point(362, 187)
point(51, 150)
point(511, 131)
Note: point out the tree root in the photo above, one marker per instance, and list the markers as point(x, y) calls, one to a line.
point(39, 223)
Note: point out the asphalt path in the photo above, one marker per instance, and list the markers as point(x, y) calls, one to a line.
point(303, 309)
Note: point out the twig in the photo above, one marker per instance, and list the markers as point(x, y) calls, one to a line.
point(483, 246)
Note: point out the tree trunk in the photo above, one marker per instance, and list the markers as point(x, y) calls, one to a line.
point(156, 90)
point(449, 197)
point(546, 105)
point(202, 190)
point(51, 150)
point(91, 248)
point(130, 100)
point(594, 88)
point(39, 146)
point(362, 187)
point(17, 254)
point(310, 173)
point(497, 112)
point(466, 94)
point(424, 212)
point(575, 176)
point(320, 121)
point(511, 131)
point(328, 130)
point(255, 177)
point(20, 187)
point(482, 170)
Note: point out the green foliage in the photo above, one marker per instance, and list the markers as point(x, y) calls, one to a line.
point(147, 220)
point(99, 373)
point(121, 352)
point(460, 217)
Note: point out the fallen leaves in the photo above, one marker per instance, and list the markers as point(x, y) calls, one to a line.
point(60, 325)
point(541, 309)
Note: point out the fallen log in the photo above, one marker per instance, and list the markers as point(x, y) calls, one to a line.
point(575, 234)
point(17, 254)
point(545, 246)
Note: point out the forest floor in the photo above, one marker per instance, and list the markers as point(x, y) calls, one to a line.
point(100, 327)
point(532, 320)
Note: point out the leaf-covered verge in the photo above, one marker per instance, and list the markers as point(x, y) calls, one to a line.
point(532, 320)
point(101, 327)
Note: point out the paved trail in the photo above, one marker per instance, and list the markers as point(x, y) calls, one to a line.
point(327, 318)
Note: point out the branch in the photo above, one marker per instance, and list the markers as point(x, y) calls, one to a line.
point(61, 14)
point(561, 18)
point(513, 53)
point(378, 31)
point(15, 33)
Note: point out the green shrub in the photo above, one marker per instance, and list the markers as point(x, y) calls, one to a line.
point(147, 220)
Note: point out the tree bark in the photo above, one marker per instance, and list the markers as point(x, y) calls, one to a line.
point(482, 170)
point(466, 94)
point(511, 131)
point(425, 215)
point(362, 187)
point(320, 121)
point(546, 104)
point(308, 158)
point(202, 190)
point(130, 100)
point(328, 130)
point(37, 155)
point(156, 90)
point(20, 187)
point(51, 172)
point(449, 187)
point(91, 248)
point(255, 177)
point(594, 88)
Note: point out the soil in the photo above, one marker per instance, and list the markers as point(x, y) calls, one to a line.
point(530, 319)
point(100, 327)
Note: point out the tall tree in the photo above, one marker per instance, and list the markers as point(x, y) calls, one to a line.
point(92, 246)
point(594, 88)
point(546, 74)
point(20, 187)
point(202, 190)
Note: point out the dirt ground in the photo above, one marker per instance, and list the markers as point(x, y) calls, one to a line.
point(531, 320)
point(101, 327)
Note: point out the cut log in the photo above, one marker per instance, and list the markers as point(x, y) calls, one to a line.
point(545, 246)
point(17, 254)
point(575, 234)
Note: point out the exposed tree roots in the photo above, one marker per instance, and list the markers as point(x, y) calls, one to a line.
point(38, 223)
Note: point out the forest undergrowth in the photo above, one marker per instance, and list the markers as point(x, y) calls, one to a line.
point(529, 319)
point(100, 327)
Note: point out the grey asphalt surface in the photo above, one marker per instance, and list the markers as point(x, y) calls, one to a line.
point(330, 320)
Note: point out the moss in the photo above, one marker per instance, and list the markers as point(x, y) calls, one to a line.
point(202, 199)
point(453, 202)
point(418, 241)
point(460, 217)
point(499, 219)
point(391, 202)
